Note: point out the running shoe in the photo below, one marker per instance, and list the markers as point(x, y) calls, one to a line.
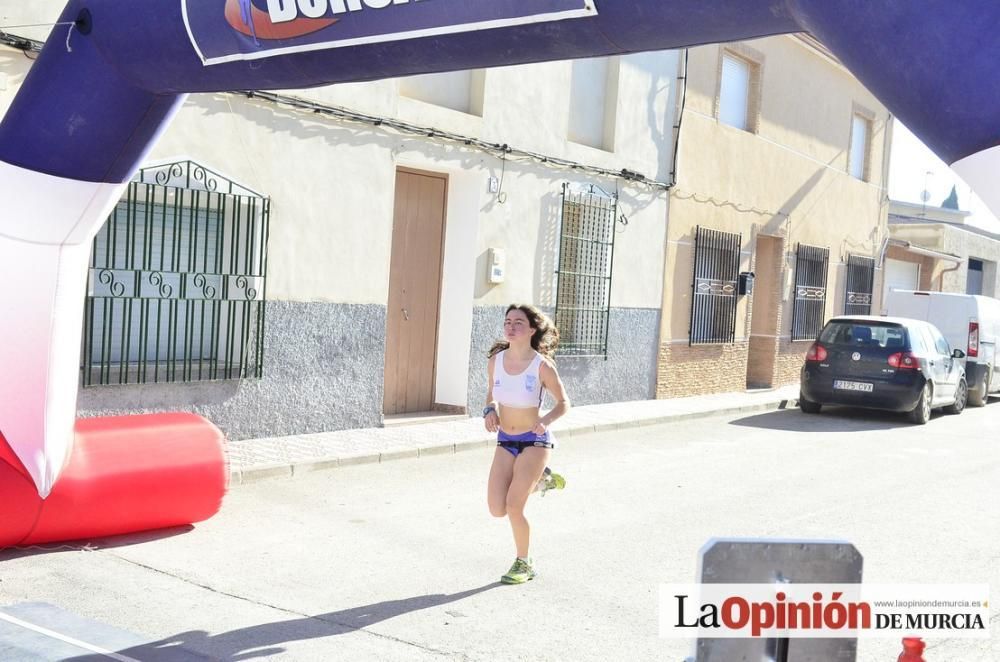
point(519, 573)
point(551, 481)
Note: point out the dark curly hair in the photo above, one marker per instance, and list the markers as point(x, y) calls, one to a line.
point(544, 340)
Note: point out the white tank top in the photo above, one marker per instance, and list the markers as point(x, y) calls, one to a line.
point(523, 391)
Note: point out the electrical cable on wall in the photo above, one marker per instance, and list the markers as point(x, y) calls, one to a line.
point(498, 150)
point(501, 196)
point(680, 120)
point(680, 195)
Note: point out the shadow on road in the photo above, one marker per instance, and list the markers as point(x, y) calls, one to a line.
point(94, 544)
point(263, 640)
point(832, 419)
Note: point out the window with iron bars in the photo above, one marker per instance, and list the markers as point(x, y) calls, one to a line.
point(583, 283)
point(176, 281)
point(809, 305)
point(860, 282)
point(714, 289)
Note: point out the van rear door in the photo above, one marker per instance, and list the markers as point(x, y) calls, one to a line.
point(907, 303)
point(951, 314)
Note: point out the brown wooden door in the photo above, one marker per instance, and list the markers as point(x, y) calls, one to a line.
point(414, 291)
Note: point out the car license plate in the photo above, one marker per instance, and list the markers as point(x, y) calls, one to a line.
point(853, 386)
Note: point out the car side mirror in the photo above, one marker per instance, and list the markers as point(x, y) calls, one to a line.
point(958, 354)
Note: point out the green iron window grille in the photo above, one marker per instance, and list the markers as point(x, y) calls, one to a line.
point(583, 282)
point(809, 305)
point(860, 282)
point(176, 281)
point(714, 289)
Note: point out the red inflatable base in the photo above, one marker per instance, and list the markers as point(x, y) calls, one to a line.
point(126, 474)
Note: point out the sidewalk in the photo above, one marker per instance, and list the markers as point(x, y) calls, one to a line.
point(251, 460)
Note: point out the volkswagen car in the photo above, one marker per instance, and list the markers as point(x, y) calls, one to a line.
point(888, 363)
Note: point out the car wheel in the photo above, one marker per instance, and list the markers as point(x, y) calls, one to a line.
point(922, 412)
point(808, 406)
point(979, 399)
point(961, 397)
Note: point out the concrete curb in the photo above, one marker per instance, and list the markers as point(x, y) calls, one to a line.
point(254, 474)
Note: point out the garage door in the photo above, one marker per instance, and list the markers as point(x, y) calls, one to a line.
point(901, 275)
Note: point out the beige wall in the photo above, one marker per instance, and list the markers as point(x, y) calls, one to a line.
point(788, 180)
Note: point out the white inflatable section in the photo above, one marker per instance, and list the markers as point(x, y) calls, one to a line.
point(981, 171)
point(45, 239)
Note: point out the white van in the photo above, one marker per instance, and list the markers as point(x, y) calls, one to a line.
point(969, 322)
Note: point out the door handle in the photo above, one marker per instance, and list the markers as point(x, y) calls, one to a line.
point(406, 315)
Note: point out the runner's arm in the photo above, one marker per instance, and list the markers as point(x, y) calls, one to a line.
point(553, 384)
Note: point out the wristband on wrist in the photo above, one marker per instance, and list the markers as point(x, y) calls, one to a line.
point(488, 409)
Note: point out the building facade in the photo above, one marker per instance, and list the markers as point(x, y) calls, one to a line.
point(934, 248)
point(782, 168)
point(321, 259)
point(324, 259)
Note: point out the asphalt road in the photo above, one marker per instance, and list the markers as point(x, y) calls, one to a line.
point(400, 561)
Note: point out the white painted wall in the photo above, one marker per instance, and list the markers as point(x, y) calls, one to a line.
point(458, 90)
point(593, 101)
point(331, 181)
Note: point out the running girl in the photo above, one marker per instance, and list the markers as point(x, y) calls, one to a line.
point(521, 370)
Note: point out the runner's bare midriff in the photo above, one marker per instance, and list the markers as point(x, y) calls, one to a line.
point(518, 420)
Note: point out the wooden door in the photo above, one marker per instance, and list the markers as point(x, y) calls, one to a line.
point(414, 291)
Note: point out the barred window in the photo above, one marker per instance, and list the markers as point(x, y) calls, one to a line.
point(809, 305)
point(713, 300)
point(860, 281)
point(583, 283)
point(176, 281)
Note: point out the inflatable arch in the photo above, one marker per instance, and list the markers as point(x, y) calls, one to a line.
point(93, 104)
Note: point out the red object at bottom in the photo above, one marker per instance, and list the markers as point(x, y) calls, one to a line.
point(125, 474)
point(913, 650)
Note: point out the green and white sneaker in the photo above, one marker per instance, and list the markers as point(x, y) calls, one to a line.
point(519, 573)
point(551, 481)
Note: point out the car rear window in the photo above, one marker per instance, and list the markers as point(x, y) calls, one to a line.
point(864, 334)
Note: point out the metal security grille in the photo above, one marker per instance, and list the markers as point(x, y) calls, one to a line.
point(809, 306)
point(860, 281)
point(583, 285)
point(176, 281)
point(714, 290)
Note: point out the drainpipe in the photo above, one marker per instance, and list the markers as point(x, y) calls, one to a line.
point(941, 275)
point(884, 184)
point(679, 102)
point(881, 253)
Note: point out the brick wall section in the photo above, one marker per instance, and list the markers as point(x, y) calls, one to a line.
point(760, 367)
point(702, 369)
point(705, 369)
point(789, 362)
